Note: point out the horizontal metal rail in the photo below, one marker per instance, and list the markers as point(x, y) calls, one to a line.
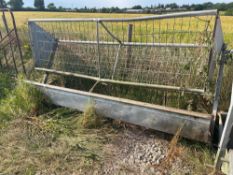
point(182, 45)
point(166, 16)
point(172, 88)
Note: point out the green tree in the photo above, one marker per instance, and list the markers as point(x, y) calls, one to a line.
point(3, 4)
point(137, 7)
point(51, 7)
point(16, 4)
point(229, 12)
point(39, 4)
point(172, 6)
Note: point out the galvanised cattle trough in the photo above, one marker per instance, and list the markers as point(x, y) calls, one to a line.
point(173, 52)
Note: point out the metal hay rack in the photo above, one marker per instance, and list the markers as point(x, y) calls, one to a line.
point(172, 52)
point(175, 52)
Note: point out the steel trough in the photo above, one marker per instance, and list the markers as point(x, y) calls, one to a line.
point(164, 119)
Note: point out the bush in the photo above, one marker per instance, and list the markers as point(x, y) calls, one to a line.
point(229, 12)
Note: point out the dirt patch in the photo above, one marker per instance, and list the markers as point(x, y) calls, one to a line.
point(55, 144)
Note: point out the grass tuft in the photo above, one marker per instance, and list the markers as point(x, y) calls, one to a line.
point(23, 101)
point(5, 84)
point(89, 119)
point(174, 151)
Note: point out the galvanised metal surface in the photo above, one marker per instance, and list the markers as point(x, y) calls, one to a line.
point(168, 120)
point(225, 136)
point(166, 16)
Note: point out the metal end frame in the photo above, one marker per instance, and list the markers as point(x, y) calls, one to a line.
point(9, 41)
point(172, 52)
point(225, 138)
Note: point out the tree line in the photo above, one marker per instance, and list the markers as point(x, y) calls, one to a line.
point(40, 5)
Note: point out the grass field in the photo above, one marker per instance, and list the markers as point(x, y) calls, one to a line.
point(22, 18)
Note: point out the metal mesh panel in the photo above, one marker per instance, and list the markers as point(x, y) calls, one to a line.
point(167, 50)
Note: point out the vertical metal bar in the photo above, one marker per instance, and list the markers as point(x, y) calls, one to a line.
point(11, 48)
point(116, 61)
point(45, 79)
point(98, 46)
point(1, 63)
point(219, 82)
point(218, 90)
point(129, 49)
point(165, 98)
point(130, 35)
point(211, 65)
point(18, 43)
point(225, 135)
point(4, 51)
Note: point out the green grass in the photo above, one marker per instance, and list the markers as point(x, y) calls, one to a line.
point(198, 155)
point(5, 84)
point(22, 101)
point(65, 141)
point(52, 142)
point(32, 139)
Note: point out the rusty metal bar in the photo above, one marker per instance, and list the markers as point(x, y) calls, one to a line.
point(4, 51)
point(11, 48)
point(18, 42)
point(7, 36)
point(11, 39)
point(110, 33)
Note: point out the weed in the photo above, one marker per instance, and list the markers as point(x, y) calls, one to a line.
point(23, 101)
point(44, 143)
point(198, 156)
point(173, 152)
point(6, 84)
point(89, 119)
